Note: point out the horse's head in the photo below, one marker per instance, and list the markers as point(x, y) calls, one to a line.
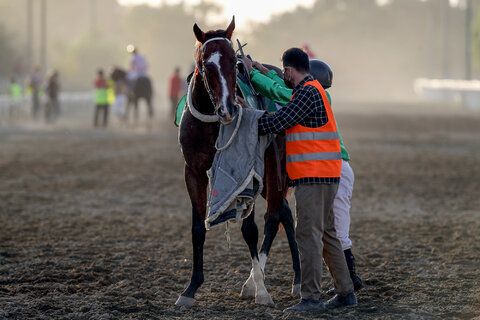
point(216, 61)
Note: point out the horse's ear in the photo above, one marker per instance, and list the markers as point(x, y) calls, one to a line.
point(199, 34)
point(231, 27)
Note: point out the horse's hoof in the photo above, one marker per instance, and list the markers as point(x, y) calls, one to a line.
point(247, 292)
point(296, 290)
point(185, 301)
point(265, 300)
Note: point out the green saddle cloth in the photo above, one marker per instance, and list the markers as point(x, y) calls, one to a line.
point(247, 92)
point(180, 107)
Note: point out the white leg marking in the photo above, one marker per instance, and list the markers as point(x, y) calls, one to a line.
point(185, 301)
point(262, 259)
point(261, 295)
point(248, 288)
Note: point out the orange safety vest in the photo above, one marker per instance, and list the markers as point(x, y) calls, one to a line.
point(314, 152)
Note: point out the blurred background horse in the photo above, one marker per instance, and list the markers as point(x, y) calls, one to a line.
point(141, 88)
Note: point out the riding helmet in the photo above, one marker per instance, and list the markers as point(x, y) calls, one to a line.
point(321, 72)
point(131, 48)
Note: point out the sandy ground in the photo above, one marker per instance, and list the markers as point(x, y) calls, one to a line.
point(95, 224)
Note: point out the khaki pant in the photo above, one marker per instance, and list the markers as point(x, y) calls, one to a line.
point(316, 237)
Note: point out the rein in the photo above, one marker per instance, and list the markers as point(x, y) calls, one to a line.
point(200, 116)
point(229, 142)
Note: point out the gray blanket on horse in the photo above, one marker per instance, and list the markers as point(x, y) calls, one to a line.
point(236, 175)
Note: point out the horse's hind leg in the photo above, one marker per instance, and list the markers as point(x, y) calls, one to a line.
point(286, 218)
point(278, 210)
point(195, 186)
point(248, 288)
point(150, 111)
point(283, 215)
point(150, 107)
point(255, 283)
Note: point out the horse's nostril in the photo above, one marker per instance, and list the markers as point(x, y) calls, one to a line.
point(223, 113)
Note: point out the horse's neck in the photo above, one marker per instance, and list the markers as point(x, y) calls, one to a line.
point(200, 97)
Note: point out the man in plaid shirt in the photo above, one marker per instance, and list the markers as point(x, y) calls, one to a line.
point(307, 109)
point(267, 83)
point(315, 231)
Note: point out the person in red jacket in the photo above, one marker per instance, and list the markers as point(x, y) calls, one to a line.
point(175, 89)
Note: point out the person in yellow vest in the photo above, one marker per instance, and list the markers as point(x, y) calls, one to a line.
point(101, 100)
point(110, 91)
point(15, 92)
point(314, 163)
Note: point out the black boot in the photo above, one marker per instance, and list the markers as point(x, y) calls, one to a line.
point(357, 282)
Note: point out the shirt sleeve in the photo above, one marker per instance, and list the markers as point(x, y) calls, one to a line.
point(272, 74)
point(269, 88)
point(301, 107)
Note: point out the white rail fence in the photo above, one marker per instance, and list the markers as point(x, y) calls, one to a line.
point(70, 101)
point(455, 92)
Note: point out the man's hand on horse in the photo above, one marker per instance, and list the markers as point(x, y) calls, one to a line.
point(254, 64)
point(248, 63)
point(243, 103)
point(260, 67)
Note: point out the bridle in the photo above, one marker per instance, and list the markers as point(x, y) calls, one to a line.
point(200, 116)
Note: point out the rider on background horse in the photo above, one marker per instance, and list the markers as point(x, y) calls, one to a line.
point(138, 64)
point(139, 82)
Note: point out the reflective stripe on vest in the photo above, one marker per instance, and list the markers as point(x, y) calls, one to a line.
point(314, 152)
point(313, 156)
point(15, 91)
point(312, 136)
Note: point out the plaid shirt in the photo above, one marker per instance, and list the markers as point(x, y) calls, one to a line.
point(307, 109)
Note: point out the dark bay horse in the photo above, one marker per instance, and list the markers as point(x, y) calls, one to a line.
point(211, 101)
point(141, 88)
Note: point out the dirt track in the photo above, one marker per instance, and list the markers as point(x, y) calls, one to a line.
point(96, 225)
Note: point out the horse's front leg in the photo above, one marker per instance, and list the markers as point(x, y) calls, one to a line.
point(197, 188)
point(254, 286)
